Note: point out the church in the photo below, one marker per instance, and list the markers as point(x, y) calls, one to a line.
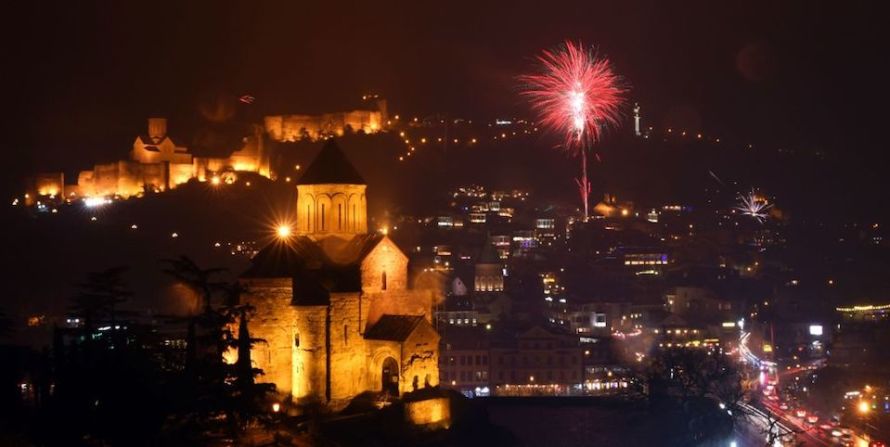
point(333, 302)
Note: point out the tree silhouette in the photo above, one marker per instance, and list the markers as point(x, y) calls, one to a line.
point(99, 296)
point(701, 388)
point(217, 396)
point(5, 325)
point(202, 281)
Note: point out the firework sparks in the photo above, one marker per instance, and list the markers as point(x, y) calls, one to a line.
point(754, 205)
point(578, 95)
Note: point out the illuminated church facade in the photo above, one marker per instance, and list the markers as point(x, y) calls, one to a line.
point(333, 302)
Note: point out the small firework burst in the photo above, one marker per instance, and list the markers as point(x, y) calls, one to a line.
point(754, 205)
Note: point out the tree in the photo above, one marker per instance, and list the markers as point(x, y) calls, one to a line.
point(250, 395)
point(202, 281)
point(701, 387)
point(98, 375)
point(217, 396)
point(99, 296)
point(5, 325)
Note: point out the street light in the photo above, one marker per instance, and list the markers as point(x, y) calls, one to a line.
point(863, 407)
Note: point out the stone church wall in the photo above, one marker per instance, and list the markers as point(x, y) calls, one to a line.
point(420, 359)
point(400, 302)
point(385, 268)
point(349, 360)
point(273, 322)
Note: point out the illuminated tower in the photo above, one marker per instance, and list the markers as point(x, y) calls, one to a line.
point(489, 270)
point(331, 197)
point(637, 119)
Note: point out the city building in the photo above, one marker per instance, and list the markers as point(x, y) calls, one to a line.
point(537, 361)
point(489, 270)
point(464, 361)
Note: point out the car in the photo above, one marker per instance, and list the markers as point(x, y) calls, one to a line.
point(783, 407)
point(877, 444)
point(812, 419)
point(772, 397)
point(801, 413)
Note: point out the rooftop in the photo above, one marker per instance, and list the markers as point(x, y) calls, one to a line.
point(331, 166)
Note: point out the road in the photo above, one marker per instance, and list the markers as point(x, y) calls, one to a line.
point(793, 420)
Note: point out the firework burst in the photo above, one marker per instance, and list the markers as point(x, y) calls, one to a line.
point(578, 95)
point(754, 205)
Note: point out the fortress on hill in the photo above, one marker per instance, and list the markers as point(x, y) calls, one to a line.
point(333, 302)
point(159, 162)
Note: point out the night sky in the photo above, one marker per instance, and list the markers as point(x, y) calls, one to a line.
point(81, 77)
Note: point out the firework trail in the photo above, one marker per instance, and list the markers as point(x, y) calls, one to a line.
point(577, 94)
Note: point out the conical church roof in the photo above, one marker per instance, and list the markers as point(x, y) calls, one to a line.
point(331, 166)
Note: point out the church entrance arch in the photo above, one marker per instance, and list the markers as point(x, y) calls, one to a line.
point(390, 376)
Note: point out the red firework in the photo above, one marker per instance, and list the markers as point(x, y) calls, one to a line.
point(576, 94)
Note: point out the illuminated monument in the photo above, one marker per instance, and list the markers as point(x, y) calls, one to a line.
point(289, 128)
point(157, 162)
point(332, 300)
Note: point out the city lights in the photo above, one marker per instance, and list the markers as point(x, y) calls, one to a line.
point(94, 202)
point(863, 407)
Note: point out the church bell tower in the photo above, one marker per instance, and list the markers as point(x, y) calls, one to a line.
point(331, 197)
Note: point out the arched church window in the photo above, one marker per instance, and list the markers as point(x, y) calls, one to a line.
point(322, 217)
point(339, 216)
point(296, 339)
point(383, 281)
